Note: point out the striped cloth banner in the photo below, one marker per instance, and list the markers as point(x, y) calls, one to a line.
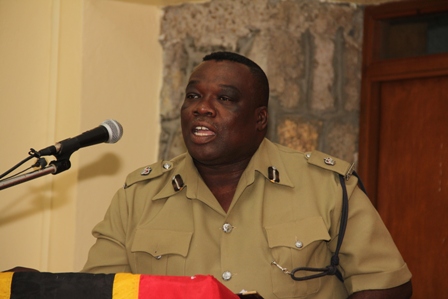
point(42, 285)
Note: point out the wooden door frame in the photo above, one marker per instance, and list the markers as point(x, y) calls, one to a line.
point(376, 71)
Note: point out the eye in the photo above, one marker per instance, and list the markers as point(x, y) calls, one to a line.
point(225, 98)
point(192, 96)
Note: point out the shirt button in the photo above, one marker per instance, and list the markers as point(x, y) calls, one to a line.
point(227, 228)
point(158, 257)
point(299, 244)
point(226, 275)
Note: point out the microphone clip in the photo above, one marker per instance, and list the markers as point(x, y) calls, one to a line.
point(62, 162)
point(34, 153)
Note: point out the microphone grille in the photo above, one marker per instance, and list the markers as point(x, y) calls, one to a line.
point(114, 128)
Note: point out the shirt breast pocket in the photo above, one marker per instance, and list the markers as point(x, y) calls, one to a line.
point(301, 243)
point(161, 252)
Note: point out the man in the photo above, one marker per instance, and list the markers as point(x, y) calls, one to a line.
point(244, 209)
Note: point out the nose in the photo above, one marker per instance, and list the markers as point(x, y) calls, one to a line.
point(204, 107)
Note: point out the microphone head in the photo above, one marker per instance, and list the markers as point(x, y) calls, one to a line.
point(114, 129)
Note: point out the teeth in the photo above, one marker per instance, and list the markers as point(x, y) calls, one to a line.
point(201, 129)
point(200, 134)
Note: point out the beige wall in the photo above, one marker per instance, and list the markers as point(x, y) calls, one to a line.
point(65, 66)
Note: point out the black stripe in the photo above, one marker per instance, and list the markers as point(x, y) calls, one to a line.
point(41, 285)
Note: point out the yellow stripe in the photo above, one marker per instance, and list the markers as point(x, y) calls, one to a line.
point(5, 285)
point(126, 286)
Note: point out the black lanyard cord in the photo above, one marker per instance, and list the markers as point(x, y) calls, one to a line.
point(332, 269)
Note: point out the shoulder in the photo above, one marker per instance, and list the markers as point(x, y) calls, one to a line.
point(158, 170)
point(310, 161)
point(330, 163)
point(322, 165)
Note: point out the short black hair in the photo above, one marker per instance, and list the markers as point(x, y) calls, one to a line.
point(256, 70)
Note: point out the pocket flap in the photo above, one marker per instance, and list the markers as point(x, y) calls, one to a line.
point(161, 242)
point(297, 234)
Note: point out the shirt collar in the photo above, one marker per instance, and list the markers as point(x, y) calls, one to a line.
point(266, 156)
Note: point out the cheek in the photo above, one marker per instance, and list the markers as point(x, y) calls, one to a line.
point(240, 131)
point(187, 106)
point(244, 121)
point(184, 113)
point(183, 108)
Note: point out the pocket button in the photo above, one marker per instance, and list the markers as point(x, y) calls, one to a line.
point(226, 275)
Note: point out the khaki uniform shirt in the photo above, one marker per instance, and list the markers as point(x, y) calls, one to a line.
point(166, 221)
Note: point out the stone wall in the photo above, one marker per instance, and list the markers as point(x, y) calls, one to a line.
point(310, 51)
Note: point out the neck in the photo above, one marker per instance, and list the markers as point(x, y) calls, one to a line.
point(222, 180)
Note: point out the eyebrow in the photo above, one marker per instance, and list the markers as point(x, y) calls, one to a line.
point(230, 87)
point(190, 83)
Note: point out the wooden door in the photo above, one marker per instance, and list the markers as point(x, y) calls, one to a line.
point(412, 194)
point(403, 156)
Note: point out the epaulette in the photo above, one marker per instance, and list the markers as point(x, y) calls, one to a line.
point(148, 172)
point(325, 161)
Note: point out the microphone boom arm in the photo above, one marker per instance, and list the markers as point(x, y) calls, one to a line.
point(54, 167)
point(9, 182)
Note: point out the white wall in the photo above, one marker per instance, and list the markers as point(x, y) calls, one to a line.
point(122, 77)
point(65, 66)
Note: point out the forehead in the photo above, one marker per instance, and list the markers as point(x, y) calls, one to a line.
point(221, 72)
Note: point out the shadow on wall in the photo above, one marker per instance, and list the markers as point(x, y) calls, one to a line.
point(107, 165)
point(45, 197)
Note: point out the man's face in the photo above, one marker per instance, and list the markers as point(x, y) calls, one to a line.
point(221, 120)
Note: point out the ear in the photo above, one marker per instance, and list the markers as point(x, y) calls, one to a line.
point(262, 118)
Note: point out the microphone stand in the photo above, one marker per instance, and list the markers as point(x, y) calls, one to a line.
point(26, 177)
point(61, 164)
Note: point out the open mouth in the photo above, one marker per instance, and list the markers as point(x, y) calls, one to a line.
point(202, 131)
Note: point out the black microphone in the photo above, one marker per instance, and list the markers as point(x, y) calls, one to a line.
point(110, 131)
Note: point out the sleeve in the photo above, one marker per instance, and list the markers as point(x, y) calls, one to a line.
point(108, 254)
point(369, 258)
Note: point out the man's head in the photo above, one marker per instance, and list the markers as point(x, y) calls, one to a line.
point(258, 73)
point(224, 114)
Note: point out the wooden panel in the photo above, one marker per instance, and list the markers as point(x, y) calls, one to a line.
point(416, 67)
point(413, 176)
